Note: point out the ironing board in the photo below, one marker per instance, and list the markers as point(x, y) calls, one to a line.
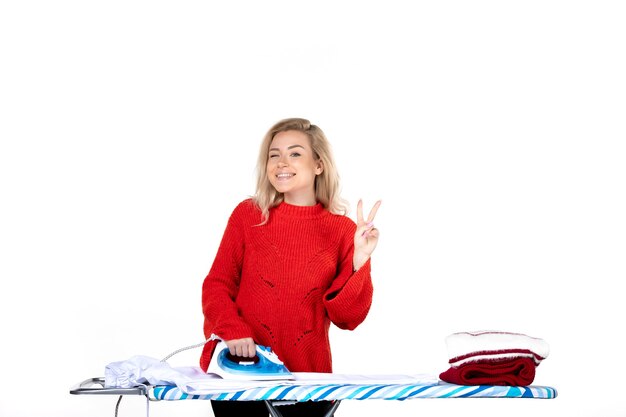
point(279, 393)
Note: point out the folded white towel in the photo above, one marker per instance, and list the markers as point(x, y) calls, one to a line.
point(481, 346)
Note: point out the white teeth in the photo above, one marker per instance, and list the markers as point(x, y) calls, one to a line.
point(284, 175)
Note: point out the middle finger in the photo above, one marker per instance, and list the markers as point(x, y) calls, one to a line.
point(373, 212)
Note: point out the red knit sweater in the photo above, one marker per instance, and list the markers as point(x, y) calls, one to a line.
point(282, 283)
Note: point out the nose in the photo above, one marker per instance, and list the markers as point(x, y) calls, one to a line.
point(282, 162)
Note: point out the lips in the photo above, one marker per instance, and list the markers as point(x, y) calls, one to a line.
point(284, 176)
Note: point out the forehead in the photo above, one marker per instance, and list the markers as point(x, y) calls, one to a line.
point(288, 138)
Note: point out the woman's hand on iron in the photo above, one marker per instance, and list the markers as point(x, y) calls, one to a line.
point(242, 347)
point(366, 236)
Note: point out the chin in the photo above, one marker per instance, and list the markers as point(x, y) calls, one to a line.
point(281, 190)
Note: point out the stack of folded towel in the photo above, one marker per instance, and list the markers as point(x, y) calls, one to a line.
point(493, 358)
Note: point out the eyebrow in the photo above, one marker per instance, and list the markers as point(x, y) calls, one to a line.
point(289, 147)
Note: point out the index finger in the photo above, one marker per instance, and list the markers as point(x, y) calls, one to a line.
point(373, 211)
point(359, 212)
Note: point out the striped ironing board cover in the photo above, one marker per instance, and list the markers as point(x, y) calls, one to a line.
point(359, 392)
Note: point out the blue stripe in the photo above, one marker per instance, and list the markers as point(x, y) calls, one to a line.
point(237, 395)
point(420, 389)
point(528, 393)
point(355, 392)
point(268, 394)
point(166, 389)
point(335, 388)
point(476, 391)
point(252, 395)
point(285, 391)
point(451, 393)
point(370, 393)
point(312, 393)
point(434, 391)
point(514, 392)
point(399, 395)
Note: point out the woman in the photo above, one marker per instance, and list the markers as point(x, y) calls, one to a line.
point(290, 263)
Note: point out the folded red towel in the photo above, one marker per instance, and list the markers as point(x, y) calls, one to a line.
point(493, 358)
point(513, 372)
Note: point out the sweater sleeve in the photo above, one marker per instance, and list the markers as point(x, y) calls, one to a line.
point(221, 285)
point(349, 298)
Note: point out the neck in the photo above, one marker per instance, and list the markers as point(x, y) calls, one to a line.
point(303, 200)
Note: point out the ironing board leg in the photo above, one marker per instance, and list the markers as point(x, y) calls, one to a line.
point(332, 410)
point(275, 413)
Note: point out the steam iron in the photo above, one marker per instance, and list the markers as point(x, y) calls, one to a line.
point(265, 366)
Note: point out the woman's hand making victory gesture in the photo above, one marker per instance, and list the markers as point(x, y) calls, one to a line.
point(366, 236)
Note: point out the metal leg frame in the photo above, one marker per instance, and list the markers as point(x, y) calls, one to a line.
point(272, 408)
point(87, 387)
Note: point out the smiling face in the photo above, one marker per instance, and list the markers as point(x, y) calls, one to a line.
point(292, 167)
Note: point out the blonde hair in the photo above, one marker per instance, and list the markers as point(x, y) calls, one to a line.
point(327, 187)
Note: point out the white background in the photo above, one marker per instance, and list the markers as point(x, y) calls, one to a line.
point(493, 131)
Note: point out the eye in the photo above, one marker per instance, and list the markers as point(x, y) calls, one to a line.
point(273, 155)
point(296, 154)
